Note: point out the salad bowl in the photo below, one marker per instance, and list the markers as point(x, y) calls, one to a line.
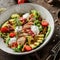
point(24, 8)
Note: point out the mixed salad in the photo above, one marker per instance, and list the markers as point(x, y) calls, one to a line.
point(24, 32)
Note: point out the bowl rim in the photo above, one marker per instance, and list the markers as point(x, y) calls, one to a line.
point(42, 45)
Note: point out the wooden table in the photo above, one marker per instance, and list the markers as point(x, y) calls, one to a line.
point(44, 52)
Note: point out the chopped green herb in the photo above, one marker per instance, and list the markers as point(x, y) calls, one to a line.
point(19, 23)
point(18, 49)
point(7, 39)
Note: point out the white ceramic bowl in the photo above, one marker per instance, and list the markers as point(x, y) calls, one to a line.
point(23, 8)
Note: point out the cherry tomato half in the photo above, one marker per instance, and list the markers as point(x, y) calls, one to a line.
point(12, 34)
point(44, 23)
point(4, 29)
point(27, 48)
point(21, 1)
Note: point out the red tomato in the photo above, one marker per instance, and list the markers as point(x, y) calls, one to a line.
point(14, 44)
point(12, 34)
point(27, 48)
point(44, 23)
point(21, 1)
point(4, 29)
point(0, 29)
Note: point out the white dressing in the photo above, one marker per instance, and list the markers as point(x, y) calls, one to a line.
point(18, 28)
point(35, 29)
point(26, 15)
point(12, 40)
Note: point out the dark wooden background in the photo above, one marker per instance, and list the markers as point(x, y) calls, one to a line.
point(44, 52)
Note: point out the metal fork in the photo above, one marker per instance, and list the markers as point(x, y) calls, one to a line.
point(54, 51)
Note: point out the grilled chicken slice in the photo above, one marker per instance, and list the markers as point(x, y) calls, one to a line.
point(21, 40)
